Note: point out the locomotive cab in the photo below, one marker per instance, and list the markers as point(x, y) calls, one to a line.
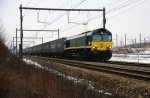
point(102, 43)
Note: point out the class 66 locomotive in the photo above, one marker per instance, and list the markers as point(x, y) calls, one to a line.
point(94, 45)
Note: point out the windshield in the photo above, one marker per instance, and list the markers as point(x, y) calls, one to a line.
point(97, 38)
point(106, 37)
point(101, 37)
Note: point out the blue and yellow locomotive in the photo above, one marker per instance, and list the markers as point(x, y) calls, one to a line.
point(96, 44)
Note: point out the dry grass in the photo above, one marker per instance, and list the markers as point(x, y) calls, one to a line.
point(19, 80)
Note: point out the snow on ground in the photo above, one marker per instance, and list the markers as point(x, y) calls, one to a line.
point(142, 57)
point(71, 78)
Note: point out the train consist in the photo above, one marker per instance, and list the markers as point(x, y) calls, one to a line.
point(95, 44)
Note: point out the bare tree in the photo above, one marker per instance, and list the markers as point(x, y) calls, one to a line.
point(4, 38)
point(2, 34)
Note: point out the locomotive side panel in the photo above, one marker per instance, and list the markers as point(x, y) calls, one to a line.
point(81, 41)
point(60, 45)
point(73, 43)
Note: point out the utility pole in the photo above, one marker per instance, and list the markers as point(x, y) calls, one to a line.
point(58, 33)
point(125, 40)
point(21, 32)
point(116, 40)
point(140, 41)
point(13, 45)
point(16, 41)
point(135, 43)
point(104, 18)
point(144, 42)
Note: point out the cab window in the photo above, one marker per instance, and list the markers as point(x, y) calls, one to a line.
point(104, 37)
point(97, 38)
point(107, 38)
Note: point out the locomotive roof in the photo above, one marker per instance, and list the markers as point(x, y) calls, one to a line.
point(105, 31)
point(89, 33)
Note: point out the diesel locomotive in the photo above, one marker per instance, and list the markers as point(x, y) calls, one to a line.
point(95, 44)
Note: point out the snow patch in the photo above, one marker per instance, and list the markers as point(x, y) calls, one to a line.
point(143, 57)
point(76, 80)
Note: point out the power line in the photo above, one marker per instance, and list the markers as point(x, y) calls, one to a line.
point(28, 2)
point(107, 5)
point(120, 6)
point(59, 7)
point(79, 3)
point(123, 5)
point(126, 10)
point(44, 21)
point(107, 12)
point(113, 10)
point(33, 6)
point(110, 11)
point(113, 3)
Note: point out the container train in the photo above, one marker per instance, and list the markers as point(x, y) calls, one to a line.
point(95, 44)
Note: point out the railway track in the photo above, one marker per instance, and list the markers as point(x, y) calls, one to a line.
point(132, 70)
point(128, 63)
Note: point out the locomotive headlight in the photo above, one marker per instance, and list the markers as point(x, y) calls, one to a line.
point(109, 47)
point(94, 48)
point(101, 33)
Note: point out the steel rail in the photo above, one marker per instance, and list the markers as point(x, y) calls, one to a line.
point(140, 74)
point(128, 63)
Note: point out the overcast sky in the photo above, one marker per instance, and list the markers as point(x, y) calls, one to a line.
point(130, 17)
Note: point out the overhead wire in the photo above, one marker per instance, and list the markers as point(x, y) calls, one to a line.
point(112, 3)
point(114, 9)
point(110, 11)
point(127, 10)
point(28, 2)
point(125, 4)
point(59, 7)
point(79, 3)
point(108, 5)
point(33, 6)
